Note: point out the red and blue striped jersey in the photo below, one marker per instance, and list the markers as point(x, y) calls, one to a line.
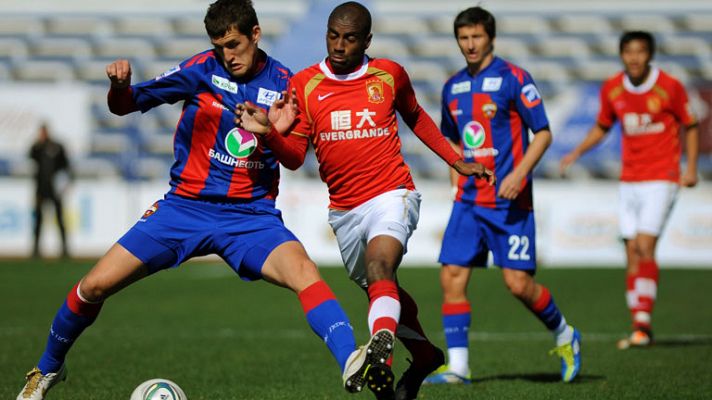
point(215, 160)
point(489, 115)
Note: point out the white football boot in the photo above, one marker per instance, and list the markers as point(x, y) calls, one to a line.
point(366, 366)
point(38, 384)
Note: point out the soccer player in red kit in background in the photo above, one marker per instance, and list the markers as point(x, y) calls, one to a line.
point(347, 107)
point(651, 106)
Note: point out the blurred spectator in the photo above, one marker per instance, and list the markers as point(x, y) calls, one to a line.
point(50, 159)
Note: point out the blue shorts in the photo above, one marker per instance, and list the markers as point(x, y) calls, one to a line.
point(176, 229)
point(474, 231)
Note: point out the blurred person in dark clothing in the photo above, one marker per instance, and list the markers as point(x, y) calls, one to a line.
point(50, 159)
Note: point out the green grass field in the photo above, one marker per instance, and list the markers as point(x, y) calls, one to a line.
point(221, 338)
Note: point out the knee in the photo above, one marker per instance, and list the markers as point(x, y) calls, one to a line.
point(377, 270)
point(303, 274)
point(92, 290)
point(518, 287)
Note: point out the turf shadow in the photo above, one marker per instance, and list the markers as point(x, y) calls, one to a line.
point(537, 377)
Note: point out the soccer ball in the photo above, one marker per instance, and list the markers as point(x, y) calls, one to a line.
point(158, 389)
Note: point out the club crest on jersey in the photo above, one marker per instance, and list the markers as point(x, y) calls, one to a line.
point(240, 143)
point(151, 210)
point(489, 110)
point(375, 91)
point(653, 104)
point(461, 87)
point(473, 135)
point(530, 96)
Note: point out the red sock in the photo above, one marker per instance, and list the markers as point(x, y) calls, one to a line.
point(384, 306)
point(642, 292)
point(80, 306)
point(414, 339)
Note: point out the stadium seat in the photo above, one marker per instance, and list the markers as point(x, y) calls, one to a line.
point(562, 46)
point(52, 47)
point(576, 24)
point(85, 25)
point(511, 48)
point(655, 23)
point(388, 46)
point(399, 24)
point(435, 47)
point(523, 24)
point(698, 22)
point(685, 46)
point(143, 26)
point(427, 71)
point(27, 26)
point(13, 48)
point(607, 45)
point(43, 71)
point(189, 26)
point(596, 70)
point(124, 47)
point(182, 48)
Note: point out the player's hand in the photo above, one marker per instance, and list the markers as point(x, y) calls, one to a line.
point(474, 169)
point(566, 162)
point(284, 111)
point(688, 179)
point(119, 72)
point(252, 118)
point(510, 186)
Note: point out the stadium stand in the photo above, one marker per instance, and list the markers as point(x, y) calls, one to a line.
point(567, 52)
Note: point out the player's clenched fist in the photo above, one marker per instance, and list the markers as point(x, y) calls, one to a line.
point(474, 169)
point(119, 72)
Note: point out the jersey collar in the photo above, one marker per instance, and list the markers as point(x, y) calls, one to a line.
point(645, 86)
point(347, 77)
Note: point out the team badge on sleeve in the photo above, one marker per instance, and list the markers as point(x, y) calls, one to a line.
point(150, 211)
point(530, 96)
point(169, 72)
point(375, 91)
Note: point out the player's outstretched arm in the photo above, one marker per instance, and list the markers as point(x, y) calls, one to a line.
point(594, 136)
point(474, 169)
point(120, 99)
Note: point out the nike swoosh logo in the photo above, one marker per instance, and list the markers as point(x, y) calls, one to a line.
point(322, 97)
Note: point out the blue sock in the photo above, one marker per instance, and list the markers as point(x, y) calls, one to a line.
point(328, 320)
point(65, 329)
point(456, 323)
point(545, 309)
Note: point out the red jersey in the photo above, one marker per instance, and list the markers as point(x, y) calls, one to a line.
point(351, 122)
point(651, 115)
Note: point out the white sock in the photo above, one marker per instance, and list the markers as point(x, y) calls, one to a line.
point(563, 333)
point(458, 360)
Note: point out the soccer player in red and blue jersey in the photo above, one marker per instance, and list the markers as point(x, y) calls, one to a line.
point(222, 197)
point(347, 106)
point(651, 106)
point(488, 109)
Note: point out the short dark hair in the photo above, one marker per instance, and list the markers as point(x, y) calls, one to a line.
point(476, 16)
point(225, 14)
point(354, 11)
point(644, 36)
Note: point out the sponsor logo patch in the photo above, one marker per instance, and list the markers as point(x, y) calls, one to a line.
point(224, 84)
point(169, 72)
point(491, 84)
point(474, 135)
point(240, 143)
point(530, 96)
point(267, 97)
point(461, 87)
